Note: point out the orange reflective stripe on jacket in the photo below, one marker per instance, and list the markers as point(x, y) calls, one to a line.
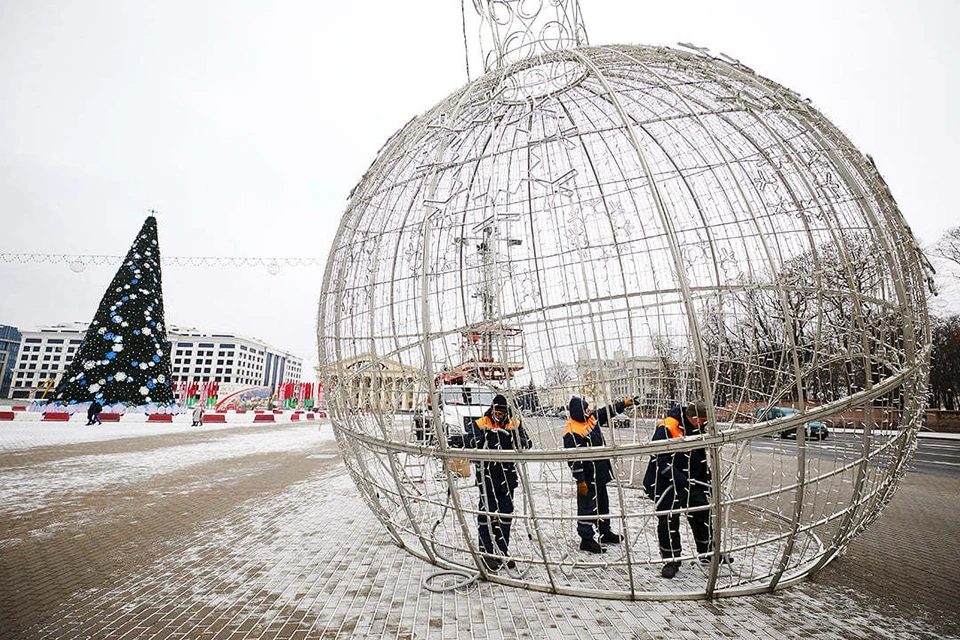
point(485, 422)
point(673, 427)
point(580, 428)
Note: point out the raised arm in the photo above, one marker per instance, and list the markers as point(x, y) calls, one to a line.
point(603, 414)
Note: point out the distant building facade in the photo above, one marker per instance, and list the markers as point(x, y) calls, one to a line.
point(43, 358)
point(656, 382)
point(231, 360)
point(9, 347)
point(364, 383)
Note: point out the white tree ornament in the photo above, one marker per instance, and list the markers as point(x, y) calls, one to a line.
point(620, 221)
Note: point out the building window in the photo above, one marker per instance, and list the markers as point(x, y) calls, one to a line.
point(32, 340)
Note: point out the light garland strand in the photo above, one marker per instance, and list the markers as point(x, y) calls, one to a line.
point(78, 262)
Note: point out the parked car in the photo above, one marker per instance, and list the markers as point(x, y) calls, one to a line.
point(621, 421)
point(815, 430)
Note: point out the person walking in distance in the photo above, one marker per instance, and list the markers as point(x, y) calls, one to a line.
point(93, 412)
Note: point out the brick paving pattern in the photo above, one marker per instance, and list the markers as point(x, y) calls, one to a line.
point(278, 545)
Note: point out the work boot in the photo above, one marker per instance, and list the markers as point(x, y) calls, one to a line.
point(670, 569)
point(724, 559)
point(591, 546)
point(491, 564)
point(609, 537)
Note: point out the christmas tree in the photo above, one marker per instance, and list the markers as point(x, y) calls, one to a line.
point(125, 355)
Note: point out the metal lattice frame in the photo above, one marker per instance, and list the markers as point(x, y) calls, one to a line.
point(639, 220)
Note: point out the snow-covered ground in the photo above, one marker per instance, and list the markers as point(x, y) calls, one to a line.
point(24, 489)
point(28, 430)
point(304, 557)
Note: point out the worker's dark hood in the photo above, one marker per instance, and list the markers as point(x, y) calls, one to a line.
point(677, 414)
point(578, 409)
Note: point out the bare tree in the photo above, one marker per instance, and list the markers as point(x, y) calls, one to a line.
point(945, 363)
point(559, 374)
point(818, 309)
point(948, 246)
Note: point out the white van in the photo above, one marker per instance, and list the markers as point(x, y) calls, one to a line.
point(459, 405)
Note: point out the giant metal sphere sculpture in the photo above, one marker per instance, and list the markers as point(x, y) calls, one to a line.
point(616, 221)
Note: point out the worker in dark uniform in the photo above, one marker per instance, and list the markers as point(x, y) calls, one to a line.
point(592, 476)
point(496, 429)
point(682, 480)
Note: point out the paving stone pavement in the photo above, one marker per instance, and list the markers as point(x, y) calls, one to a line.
point(224, 538)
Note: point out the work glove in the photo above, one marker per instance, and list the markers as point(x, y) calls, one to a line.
point(582, 489)
point(628, 402)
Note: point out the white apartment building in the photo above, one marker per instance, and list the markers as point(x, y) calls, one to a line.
point(43, 358)
point(233, 361)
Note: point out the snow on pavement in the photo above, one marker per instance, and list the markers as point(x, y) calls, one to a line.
point(24, 489)
point(28, 434)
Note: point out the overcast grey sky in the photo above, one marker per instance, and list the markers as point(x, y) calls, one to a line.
point(246, 123)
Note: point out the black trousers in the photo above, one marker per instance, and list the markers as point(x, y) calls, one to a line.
point(595, 503)
point(494, 519)
point(668, 526)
